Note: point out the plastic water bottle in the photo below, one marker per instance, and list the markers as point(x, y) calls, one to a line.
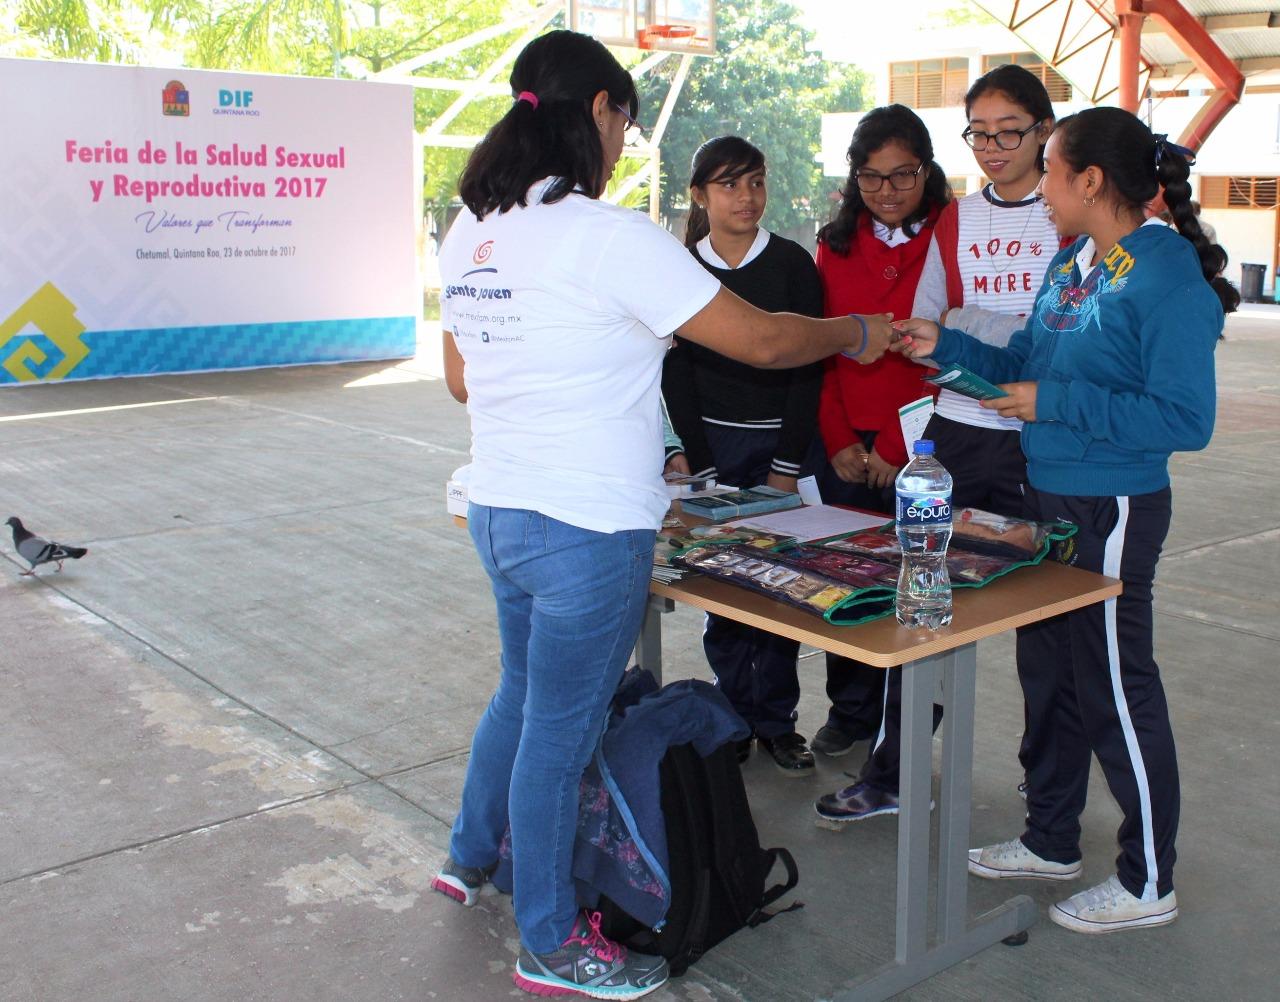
point(924, 530)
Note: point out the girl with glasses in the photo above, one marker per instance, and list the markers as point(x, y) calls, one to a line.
point(1112, 372)
point(870, 257)
point(989, 254)
point(748, 426)
point(558, 310)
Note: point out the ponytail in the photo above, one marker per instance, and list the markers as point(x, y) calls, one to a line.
point(1172, 172)
point(1135, 166)
point(696, 225)
point(549, 131)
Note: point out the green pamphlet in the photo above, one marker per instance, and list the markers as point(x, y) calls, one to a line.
point(961, 380)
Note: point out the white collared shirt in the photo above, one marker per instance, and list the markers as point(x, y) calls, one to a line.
point(708, 254)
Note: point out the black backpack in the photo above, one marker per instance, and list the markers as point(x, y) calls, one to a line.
point(717, 868)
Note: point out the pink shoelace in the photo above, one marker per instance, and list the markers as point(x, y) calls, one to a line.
point(597, 942)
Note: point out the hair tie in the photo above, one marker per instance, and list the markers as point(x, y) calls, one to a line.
point(1165, 148)
point(530, 96)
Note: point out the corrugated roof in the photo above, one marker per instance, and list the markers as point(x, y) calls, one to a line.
point(1077, 39)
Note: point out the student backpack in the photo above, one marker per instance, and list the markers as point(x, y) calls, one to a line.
point(717, 868)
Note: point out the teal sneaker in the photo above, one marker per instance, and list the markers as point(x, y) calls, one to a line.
point(588, 963)
point(462, 883)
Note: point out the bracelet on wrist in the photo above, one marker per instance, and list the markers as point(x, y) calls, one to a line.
point(863, 346)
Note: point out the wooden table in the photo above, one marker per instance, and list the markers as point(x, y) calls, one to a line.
point(949, 655)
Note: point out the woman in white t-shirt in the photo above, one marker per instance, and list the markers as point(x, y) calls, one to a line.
point(558, 310)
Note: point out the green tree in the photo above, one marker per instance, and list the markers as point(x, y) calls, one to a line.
point(767, 85)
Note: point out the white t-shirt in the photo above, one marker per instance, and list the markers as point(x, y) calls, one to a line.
point(562, 314)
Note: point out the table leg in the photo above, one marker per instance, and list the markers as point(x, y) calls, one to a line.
point(919, 683)
point(649, 643)
point(956, 940)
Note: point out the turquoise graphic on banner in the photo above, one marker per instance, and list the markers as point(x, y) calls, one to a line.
point(194, 349)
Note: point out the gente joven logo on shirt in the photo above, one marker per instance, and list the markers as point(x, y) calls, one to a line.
point(481, 254)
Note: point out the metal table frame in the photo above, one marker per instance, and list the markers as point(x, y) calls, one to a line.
point(948, 659)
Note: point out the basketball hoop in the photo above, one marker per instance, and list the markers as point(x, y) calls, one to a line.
point(648, 35)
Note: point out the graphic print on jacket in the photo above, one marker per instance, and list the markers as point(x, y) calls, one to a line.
point(1074, 307)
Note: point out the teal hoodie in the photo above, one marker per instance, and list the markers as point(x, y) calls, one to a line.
point(1123, 363)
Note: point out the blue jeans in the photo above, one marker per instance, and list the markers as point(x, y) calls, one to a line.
point(570, 603)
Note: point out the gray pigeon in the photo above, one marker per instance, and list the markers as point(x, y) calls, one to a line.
point(36, 551)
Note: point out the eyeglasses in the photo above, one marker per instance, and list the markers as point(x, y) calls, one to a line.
point(631, 122)
point(899, 180)
point(1006, 139)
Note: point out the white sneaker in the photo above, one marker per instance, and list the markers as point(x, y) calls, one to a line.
point(1110, 908)
point(1013, 859)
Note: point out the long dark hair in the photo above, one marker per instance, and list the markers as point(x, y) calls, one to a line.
point(1135, 166)
point(1020, 86)
point(557, 137)
point(725, 158)
point(877, 127)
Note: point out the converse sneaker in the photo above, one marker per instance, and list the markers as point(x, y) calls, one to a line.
point(1013, 859)
point(462, 883)
point(589, 964)
point(1110, 908)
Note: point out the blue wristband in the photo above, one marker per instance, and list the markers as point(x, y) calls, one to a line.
point(862, 347)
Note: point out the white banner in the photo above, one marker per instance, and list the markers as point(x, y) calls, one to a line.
point(160, 220)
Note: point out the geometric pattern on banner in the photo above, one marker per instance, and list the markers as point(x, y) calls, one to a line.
point(36, 350)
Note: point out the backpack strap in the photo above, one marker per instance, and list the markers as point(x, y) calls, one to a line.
point(760, 916)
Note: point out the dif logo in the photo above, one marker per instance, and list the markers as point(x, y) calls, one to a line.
point(235, 98)
point(924, 511)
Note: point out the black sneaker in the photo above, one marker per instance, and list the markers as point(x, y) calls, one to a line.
point(588, 963)
point(856, 802)
point(832, 741)
point(789, 753)
point(743, 749)
point(462, 883)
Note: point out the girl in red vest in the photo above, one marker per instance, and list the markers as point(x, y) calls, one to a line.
point(870, 258)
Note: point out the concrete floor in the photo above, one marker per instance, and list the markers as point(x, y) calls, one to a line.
point(232, 737)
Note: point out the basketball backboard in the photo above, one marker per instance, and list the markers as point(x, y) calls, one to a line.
point(658, 25)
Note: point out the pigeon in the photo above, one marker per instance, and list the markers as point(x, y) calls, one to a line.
point(36, 551)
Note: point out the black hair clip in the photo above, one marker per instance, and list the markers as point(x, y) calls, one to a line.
point(1163, 147)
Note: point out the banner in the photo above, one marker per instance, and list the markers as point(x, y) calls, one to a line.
point(160, 220)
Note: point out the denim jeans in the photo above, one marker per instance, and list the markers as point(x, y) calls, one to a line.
point(570, 602)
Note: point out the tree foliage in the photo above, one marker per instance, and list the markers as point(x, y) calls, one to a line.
point(767, 85)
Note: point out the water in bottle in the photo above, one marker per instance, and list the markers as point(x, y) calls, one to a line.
point(924, 530)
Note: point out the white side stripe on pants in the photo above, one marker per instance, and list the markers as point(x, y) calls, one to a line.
point(1112, 555)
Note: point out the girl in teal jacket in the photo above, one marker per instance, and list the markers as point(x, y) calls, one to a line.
point(1112, 373)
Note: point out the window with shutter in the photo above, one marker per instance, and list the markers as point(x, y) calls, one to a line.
point(929, 83)
point(1054, 82)
point(1239, 192)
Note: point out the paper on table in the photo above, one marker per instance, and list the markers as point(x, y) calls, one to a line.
point(913, 418)
point(807, 488)
point(813, 521)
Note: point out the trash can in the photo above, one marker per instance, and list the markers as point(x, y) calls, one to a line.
point(1251, 276)
point(1275, 287)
